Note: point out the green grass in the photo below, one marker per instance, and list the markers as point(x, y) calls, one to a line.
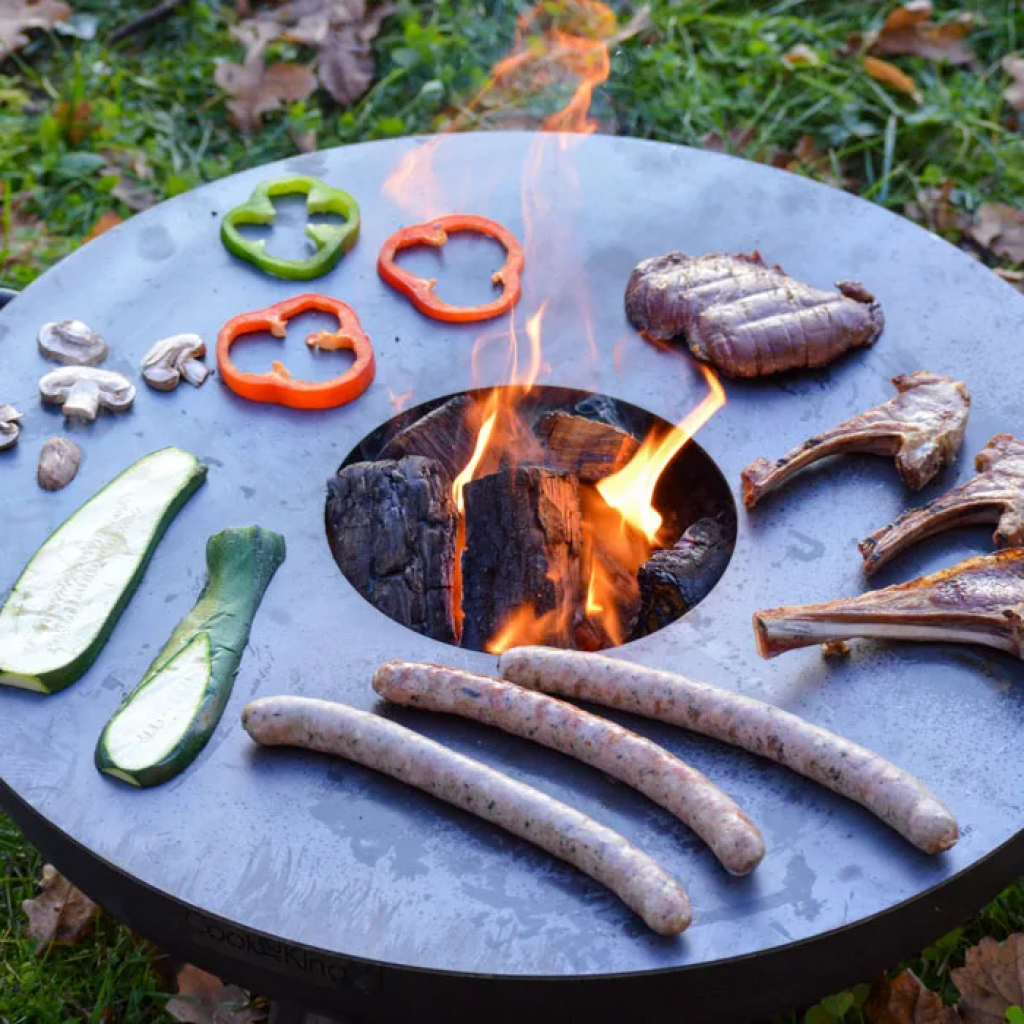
point(704, 68)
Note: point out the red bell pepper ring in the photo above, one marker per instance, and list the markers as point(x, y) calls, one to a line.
point(420, 290)
point(277, 386)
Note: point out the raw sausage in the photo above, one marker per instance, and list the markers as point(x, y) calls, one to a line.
point(841, 765)
point(627, 756)
point(640, 882)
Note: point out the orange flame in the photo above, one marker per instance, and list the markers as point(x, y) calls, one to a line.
point(631, 490)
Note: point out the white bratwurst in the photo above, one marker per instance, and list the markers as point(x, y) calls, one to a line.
point(841, 765)
point(629, 757)
point(641, 883)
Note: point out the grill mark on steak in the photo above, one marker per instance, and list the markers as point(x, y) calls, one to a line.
point(995, 495)
point(979, 601)
point(922, 426)
point(746, 318)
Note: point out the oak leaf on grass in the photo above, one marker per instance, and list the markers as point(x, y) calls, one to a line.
point(910, 31)
point(905, 1000)
point(254, 87)
point(205, 999)
point(999, 228)
point(991, 980)
point(342, 31)
point(19, 17)
point(60, 914)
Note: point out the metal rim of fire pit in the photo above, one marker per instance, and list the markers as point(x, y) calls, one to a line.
point(304, 877)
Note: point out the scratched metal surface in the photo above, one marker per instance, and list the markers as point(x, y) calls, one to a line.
point(333, 856)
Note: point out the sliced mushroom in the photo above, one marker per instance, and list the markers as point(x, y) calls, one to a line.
point(72, 342)
point(84, 390)
point(59, 462)
point(169, 360)
point(10, 429)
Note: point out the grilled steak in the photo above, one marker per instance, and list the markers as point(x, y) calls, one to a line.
point(746, 318)
point(923, 426)
point(980, 601)
point(995, 495)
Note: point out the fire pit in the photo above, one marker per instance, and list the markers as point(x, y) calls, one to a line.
point(318, 880)
point(519, 541)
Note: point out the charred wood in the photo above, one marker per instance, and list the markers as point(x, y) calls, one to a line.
point(674, 580)
point(586, 448)
point(391, 527)
point(447, 435)
point(524, 539)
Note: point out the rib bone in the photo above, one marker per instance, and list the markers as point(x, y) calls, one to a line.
point(995, 495)
point(979, 601)
point(923, 426)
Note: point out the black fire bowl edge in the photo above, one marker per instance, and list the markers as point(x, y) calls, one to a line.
point(308, 878)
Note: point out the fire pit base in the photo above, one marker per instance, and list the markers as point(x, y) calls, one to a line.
point(310, 879)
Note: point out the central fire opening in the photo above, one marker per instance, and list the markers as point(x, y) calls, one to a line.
point(507, 516)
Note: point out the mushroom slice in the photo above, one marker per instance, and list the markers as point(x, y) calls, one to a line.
point(10, 429)
point(72, 342)
point(979, 601)
point(995, 495)
point(923, 426)
point(169, 360)
point(83, 390)
point(59, 462)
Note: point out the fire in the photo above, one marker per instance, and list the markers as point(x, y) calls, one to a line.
point(631, 490)
point(562, 48)
point(399, 401)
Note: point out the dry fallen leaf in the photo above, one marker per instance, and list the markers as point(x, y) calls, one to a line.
point(904, 1000)
point(133, 193)
point(342, 31)
point(1014, 278)
point(1000, 229)
point(909, 30)
point(892, 77)
point(1014, 94)
point(204, 999)
point(104, 223)
point(733, 141)
point(932, 207)
point(255, 88)
point(305, 142)
point(801, 56)
point(17, 17)
point(991, 980)
point(61, 913)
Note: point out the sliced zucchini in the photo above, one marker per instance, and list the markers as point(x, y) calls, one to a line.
point(72, 592)
point(161, 726)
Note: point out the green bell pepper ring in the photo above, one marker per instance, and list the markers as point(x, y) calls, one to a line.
point(332, 240)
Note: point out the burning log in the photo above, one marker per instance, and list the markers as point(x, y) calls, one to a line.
point(674, 580)
point(391, 526)
point(447, 435)
point(524, 538)
point(589, 449)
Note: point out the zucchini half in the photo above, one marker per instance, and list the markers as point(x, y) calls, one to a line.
point(167, 720)
point(72, 592)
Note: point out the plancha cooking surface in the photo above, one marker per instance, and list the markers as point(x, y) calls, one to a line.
point(328, 855)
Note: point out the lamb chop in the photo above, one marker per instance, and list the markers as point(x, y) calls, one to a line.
point(979, 601)
point(923, 426)
point(995, 495)
point(746, 318)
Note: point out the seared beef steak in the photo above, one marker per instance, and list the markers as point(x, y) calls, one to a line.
point(995, 495)
point(923, 426)
point(746, 318)
point(980, 601)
